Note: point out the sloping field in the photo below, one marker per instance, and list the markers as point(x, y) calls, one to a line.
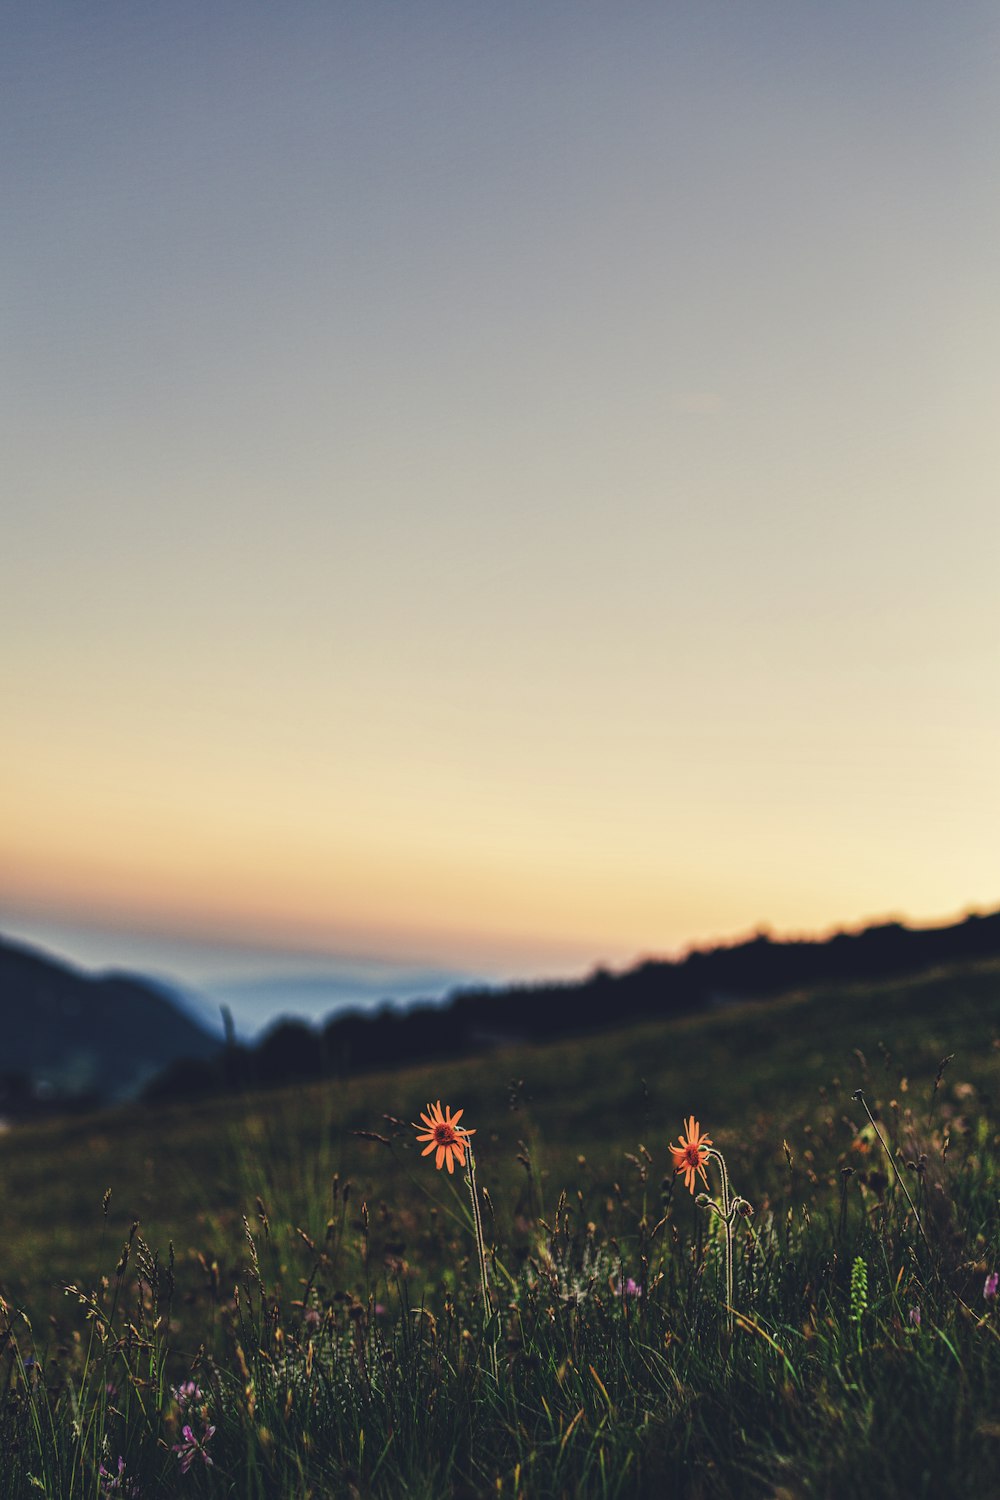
point(757, 1074)
point(299, 1263)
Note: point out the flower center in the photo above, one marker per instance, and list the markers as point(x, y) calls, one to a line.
point(692, 1155)
point(444, 1135)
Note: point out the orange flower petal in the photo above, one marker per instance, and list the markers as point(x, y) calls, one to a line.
point(446, 1139)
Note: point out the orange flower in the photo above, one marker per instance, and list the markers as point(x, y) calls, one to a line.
point(691, 1155)
point(445, 1134)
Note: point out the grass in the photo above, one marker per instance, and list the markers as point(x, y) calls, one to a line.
point(321, 1288)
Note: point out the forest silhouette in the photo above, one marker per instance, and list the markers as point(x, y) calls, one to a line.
point(473, 1020)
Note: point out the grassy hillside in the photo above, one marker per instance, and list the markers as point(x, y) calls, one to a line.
point(355, 1268)
point(760, 1073)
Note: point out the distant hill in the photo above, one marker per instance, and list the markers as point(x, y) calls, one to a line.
point(71, 1037)
point(474, 1020)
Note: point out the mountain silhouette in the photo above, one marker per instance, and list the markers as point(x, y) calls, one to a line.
point(69, 1036)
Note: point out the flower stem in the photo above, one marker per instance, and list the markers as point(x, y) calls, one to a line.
point(727, 1218)
point(484, 1285)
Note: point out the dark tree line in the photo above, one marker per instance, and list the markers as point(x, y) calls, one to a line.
point(472, 1020)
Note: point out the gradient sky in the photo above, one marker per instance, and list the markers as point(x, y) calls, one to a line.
point(501, 487)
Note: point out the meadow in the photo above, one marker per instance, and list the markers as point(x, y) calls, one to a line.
point(279, 1295)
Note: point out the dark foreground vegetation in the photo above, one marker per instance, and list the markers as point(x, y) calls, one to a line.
point(281, 1296)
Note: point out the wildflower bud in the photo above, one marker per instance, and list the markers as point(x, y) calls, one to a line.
point(702, 1200)
point(858, 1094)
point(990, 1287)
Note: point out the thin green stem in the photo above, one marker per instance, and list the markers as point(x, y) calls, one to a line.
point(727, 1217)
point(859, 1095)
point(484, 1284)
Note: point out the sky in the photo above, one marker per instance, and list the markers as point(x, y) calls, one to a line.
point(495, 489)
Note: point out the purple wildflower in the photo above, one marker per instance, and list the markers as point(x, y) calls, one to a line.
point(112, 1484)
point(187, 1394)
point(193, 1447)
point(915, 1317)
point(628, 1288)
point(990, 1287)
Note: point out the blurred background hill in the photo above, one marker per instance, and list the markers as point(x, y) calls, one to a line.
point(75, 1039)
